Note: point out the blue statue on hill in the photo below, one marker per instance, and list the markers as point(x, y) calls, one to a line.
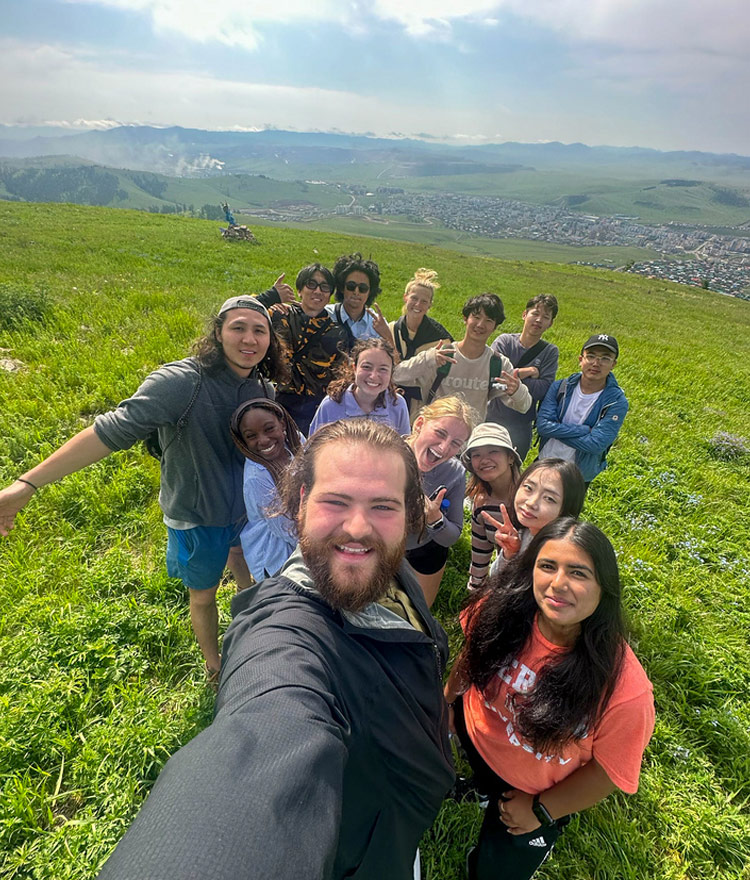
point(228, 214)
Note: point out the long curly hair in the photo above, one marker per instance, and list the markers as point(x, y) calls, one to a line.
point(291, 433)
point(345, 373)
point(209, 351)
point(573, 689)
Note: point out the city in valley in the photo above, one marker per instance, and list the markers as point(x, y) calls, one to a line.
point(717, 259)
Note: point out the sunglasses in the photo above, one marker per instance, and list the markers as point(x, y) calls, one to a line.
point(352, 285)
point(312, 284)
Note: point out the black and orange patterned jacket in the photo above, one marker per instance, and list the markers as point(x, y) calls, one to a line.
point(317, 345)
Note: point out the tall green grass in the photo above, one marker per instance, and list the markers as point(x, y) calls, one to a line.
point(100, 678)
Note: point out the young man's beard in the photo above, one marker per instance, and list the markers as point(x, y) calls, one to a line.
point(349, 588)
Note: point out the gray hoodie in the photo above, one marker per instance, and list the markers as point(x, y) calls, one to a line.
point(201, 469)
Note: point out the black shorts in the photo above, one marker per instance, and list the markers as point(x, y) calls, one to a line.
point(427, 559)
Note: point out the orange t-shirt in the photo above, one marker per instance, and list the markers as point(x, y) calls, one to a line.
point(617, 742)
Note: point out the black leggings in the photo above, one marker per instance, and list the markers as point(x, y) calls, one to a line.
point(500, 855)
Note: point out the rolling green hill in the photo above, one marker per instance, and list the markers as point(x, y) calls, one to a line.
point(100, 678)
point(66, 179)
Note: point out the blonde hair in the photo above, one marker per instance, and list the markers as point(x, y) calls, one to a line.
point(446, 407)
point(422, 278)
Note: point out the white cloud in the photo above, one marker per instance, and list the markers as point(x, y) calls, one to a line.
point(684, 28)
point(430, 17)
point(640, 25)
point(100, 90)
point(230, 22)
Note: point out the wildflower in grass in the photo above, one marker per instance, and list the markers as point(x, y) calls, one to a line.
point(692, 548)
point(665, 478)
point(728, 447)
point(680, 753)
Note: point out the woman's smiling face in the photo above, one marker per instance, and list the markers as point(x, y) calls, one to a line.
point(566, 589)
point(263, 433)
point(437, 440)
point(372, 373)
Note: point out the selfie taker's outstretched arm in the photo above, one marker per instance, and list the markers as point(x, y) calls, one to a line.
point(80, 451)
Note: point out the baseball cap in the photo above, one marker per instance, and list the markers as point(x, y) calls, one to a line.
point(244, 302)
point(603, 340)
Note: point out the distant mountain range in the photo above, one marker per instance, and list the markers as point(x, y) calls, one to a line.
point(184, 152)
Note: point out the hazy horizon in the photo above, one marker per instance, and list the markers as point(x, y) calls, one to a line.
point(668, 76)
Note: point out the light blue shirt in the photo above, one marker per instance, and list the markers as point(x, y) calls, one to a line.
point(267, 541)
point(394, 414)
point(362, 329)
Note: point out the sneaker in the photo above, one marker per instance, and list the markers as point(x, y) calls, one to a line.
point(465, 792)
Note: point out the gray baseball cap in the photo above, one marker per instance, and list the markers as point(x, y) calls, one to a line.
point(244, 302)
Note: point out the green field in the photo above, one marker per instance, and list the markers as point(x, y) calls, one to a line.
point(656, 191)
point(100, 678)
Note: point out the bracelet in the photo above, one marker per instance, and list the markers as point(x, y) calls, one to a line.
point(28, 483)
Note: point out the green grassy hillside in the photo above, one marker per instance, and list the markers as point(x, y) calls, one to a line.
point(100, 678)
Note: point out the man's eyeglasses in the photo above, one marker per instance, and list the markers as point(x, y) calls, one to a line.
point(352, 285)
point(312, 284)
point(604, 359)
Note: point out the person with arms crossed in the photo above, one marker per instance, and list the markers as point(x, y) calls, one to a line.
point(581, 415)
point(328, 755)
point(415, 330)
point(535, 361)
point(189, 403)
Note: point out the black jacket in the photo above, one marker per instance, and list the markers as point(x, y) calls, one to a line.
point(327, 758)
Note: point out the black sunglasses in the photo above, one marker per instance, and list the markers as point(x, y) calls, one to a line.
point(352, 285)
point(312, 284)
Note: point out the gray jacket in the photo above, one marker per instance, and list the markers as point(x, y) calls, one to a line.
point(201, 470)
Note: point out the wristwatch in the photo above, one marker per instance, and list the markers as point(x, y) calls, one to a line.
point(541, 812)
point(437, 524)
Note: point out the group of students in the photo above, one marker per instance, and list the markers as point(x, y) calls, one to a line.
point(546, 697)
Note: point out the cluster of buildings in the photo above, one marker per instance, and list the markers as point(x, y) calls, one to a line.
point(717, 261)
point(718, 275)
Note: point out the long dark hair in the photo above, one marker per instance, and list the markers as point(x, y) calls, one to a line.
point(345, 373)
point(573, 689)
point(209, 351)
point(291, 433)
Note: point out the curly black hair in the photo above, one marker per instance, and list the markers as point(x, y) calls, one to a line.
point(349, 263)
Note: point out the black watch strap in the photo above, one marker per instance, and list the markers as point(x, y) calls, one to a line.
point(541, 812)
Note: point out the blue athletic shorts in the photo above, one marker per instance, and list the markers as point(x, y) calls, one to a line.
point(198, 556)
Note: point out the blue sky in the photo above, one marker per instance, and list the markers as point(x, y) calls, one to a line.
point(670, 74)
